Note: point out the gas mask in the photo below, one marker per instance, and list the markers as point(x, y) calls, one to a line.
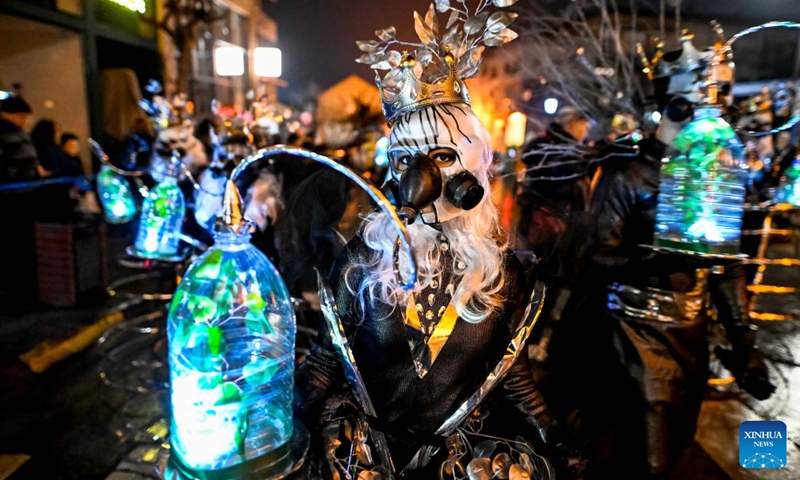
point(439, 157)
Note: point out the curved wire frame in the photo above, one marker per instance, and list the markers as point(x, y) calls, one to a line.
point(383, 203)
point(749, 31)
point(101, 154)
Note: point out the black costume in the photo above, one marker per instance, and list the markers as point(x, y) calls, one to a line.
point(410, 408)
point(649, 351)
point(555, 185)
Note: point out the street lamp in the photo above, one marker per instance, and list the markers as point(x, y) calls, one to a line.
point(229, 61)
point(550, 106)
point(267, 62)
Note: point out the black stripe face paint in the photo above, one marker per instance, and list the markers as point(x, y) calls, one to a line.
point(436, 127)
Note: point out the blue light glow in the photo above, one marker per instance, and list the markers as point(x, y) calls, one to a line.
point(381, 152)
point(161, 222)
point(789, 188)
point(231, 337)
point(116, 196)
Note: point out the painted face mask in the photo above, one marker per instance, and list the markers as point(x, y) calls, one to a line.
point(444, 140)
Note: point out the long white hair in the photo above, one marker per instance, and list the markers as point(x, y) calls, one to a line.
point(476, 245)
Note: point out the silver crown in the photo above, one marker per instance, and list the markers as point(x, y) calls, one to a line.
point(435, 72)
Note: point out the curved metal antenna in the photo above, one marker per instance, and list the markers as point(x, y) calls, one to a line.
point(749, 31)
point(383, 203)
point(758, 28)
point(101, 154)
point(98, 151)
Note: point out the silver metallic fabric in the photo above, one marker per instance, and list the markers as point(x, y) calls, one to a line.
point(515, 348)
point(328, 307)
point(660, 305)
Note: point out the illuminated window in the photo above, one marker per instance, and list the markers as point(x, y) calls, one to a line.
point(267, 62)
point(229, 61)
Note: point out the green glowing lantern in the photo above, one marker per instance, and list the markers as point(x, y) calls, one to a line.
point(116, 196)
point(702, 187)
point(231, 333)
point(789, 187)
point(162, 217)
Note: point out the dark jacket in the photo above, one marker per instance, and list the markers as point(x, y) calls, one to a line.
point(556, 171)
point(17, 155)
point(55, 160)
point(650, 345)
point(555, 186)
point(409, 407)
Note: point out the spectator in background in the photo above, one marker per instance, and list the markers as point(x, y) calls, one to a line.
point(53, 203)
point(45, 136)
point(18, 160)
point(553, 199)
point(18, 163)
point(206, 132)
point(71, 147)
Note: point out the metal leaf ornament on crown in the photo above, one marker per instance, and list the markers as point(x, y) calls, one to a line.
point(462, 40)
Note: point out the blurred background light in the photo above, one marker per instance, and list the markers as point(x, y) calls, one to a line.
point(267, 62)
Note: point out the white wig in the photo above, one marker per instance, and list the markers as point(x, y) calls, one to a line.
point(475, 242)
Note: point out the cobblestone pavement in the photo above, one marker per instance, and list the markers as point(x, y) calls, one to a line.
point(779, 342)
point(75, 427)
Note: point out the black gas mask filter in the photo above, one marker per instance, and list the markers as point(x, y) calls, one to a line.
point(421, 184)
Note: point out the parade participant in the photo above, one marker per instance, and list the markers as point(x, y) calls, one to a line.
point(556, 181)
point(424, 353)
point(552, 200)
point(18, 160)
point(651, 347)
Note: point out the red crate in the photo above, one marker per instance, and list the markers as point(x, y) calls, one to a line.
point(70, 261)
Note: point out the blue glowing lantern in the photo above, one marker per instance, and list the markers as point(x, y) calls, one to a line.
point(702, 187)
point(116, 196)
point(789, 188)
point(162, 217)
point(231, 333)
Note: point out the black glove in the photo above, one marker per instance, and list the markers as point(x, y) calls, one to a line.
point(751, 375)
point(569, 463)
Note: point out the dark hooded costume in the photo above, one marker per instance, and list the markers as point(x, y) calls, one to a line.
point(640, 321)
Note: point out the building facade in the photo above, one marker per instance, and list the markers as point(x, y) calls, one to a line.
point(54, 51)
point(82, 62)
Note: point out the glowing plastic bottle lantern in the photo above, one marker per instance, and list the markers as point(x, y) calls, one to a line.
point(231, 337)
point(115, 196)
point(789, 188)
point(702, 187)
point(162, 218)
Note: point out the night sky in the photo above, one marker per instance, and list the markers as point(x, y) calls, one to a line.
point(318, 37)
